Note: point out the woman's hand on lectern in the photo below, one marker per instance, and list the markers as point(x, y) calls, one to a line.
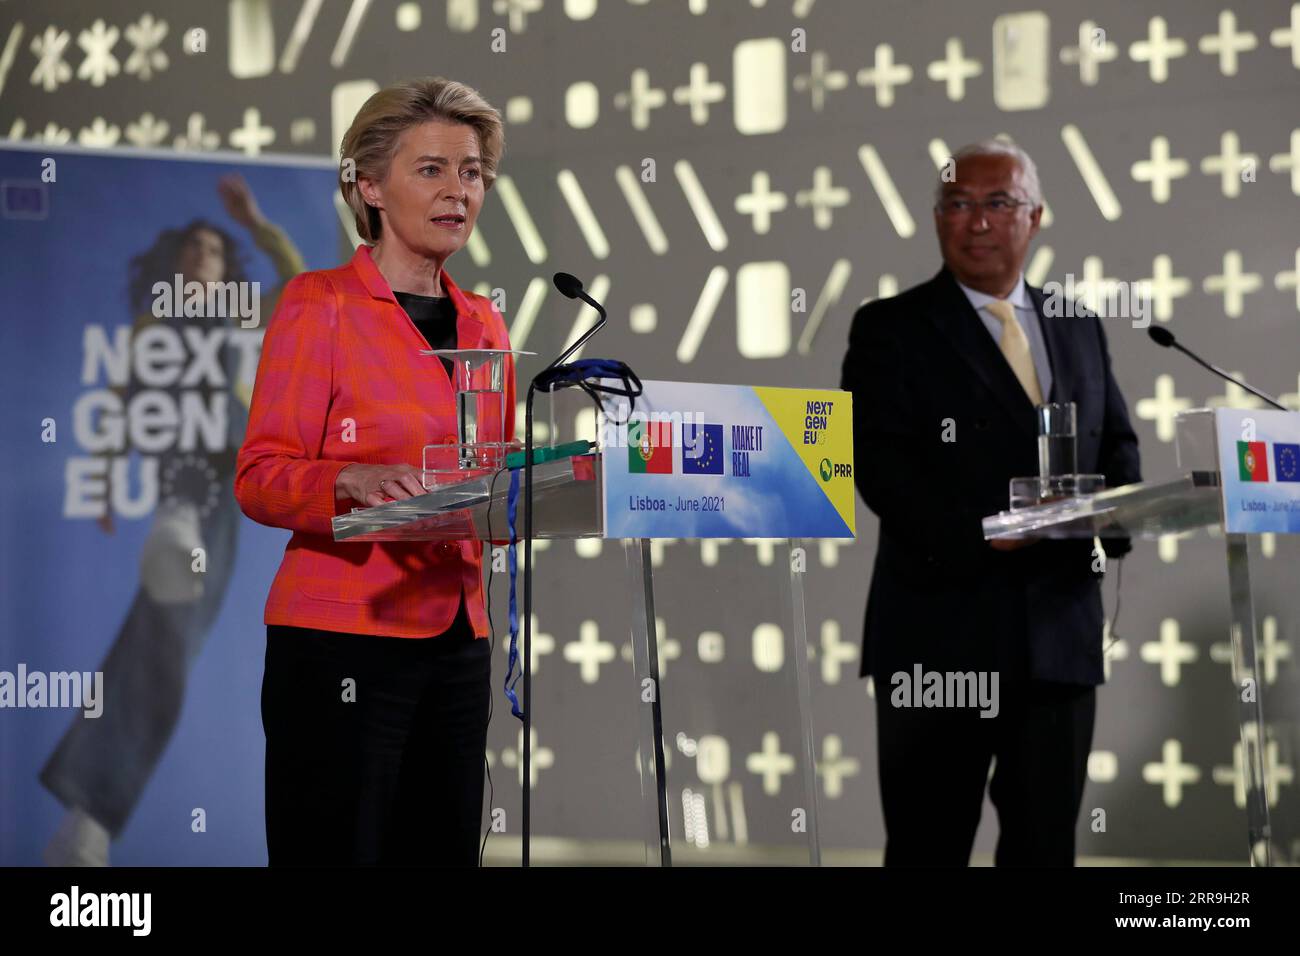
point(375, 484)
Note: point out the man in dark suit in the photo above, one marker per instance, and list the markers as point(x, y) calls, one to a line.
point(945, 378)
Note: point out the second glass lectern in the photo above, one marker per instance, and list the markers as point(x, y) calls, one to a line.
point(1215, 449)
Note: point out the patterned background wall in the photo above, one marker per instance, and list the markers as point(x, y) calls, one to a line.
point(700, 163)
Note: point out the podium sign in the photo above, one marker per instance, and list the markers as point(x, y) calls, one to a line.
point(729, 461)
point(1259, 460)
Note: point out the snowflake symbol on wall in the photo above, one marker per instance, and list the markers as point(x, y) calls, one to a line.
point(51, 68)
point(54, 134)
point(98, 42)
point(196, 138)
point(99, 133)
point(147, 131)
point(146, 39)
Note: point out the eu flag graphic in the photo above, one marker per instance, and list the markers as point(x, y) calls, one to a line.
point(1286, 461)
point(701, 449)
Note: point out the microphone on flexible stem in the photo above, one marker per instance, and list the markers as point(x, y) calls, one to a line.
point(1165, 338)
point(570, 287)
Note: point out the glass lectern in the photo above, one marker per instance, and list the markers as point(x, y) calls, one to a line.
point(702, 793)
point(1268, 695)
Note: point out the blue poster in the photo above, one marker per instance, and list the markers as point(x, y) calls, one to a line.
point(137, 286)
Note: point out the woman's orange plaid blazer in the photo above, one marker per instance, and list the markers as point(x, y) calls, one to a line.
point(341, 380)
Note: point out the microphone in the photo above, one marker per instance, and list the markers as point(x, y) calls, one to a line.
point(1163, 337)
point(571, 288)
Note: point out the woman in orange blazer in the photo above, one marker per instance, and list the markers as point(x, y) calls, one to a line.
point(376, 689)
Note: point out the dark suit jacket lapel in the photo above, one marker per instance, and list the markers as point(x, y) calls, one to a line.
point(1058, 350)
point(960, 327)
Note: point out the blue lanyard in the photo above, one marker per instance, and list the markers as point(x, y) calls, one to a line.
point(511, 677)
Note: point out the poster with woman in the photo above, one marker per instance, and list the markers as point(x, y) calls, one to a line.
point(138, 287)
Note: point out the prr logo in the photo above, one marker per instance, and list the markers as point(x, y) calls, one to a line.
point(829, 470)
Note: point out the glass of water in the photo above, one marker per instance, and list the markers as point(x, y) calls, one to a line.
point(1057, 440)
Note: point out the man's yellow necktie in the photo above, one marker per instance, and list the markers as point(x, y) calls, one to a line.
point(1015, 346)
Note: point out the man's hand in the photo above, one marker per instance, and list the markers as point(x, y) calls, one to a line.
point(376, 484)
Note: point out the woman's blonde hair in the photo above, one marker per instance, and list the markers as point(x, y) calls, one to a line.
point(371, 140)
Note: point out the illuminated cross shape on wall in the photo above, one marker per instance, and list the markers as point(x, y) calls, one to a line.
point(542, 758)
point(823, 197)
point(1164, 287)
point(641, 99)
point(954, 69)
point(1157, 49)
point(589, 652)
point(252, 136)
point(699, 93)
point(657, 546)
point(1280, 162)
point(834, 767)
point(1227, 43)
point(1160, 170)
point(541, 644)
point(1234, 284)
point(770, 763)
point(1163, 408)
point(1292, 399)
point(1095, 286)
point(885, 75)
point(1116, 650)
point(196, 137)
point(1171, 773)
point(1234, 776)
point(1290, 280)
point(819, 80)
point(667, 648)
point(1229, 164)
point(1289, 36)
point(1103, 766)
point(828, 550)
point(835, 652)
point(709, 550)
point(760, 202)
point(1276, 773)
point(1270, 650)
point(1169, 652)
point(518, 11)
point(1234, 396)
point(1092, 50)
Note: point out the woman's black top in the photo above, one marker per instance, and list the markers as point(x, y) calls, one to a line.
point(435, 317)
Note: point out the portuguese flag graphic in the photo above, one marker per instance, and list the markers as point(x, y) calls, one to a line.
point(1252, 460)
point(650, 448)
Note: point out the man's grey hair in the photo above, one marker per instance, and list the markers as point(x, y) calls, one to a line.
point(999, 147)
